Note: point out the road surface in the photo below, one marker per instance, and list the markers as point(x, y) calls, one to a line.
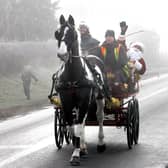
point(28, 141)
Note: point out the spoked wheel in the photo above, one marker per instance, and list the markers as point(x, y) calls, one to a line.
point(130, 125)
point(59, 128)
point(136, 122)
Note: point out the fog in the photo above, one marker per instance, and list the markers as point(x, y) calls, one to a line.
point(145, 17)
point(27, 36)
point(102, 15)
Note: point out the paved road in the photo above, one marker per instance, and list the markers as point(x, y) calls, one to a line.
point(28, 142)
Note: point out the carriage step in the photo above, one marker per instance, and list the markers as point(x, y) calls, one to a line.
point(106, 123)
point(109, 117)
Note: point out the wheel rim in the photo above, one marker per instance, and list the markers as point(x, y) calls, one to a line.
point(130, 125)
point(59, 129)
point(136, 121)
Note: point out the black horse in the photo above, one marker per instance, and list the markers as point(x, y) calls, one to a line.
point(78, 84)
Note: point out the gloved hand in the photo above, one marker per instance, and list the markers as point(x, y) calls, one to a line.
point(123, 27)
point(138, 65)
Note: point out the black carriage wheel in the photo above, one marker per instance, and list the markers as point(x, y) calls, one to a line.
point(136, 121)
point(130, 125)
point(59, 129)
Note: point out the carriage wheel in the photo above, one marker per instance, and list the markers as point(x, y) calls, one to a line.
point(130, 125)
point(136, 121)
point(59, 129)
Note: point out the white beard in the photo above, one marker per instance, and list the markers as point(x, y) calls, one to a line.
point(134, 54)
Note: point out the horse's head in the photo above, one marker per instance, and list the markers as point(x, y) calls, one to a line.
point(67, 38)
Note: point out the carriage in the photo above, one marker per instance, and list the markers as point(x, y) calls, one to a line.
point(80, 97)
point(121, 110)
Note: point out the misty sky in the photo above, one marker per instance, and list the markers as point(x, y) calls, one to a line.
point(106, 14)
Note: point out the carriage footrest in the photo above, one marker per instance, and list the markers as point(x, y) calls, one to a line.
point(106, 123)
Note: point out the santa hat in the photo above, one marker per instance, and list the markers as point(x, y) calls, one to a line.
point(137, 45)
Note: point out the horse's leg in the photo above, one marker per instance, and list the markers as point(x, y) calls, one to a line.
point(75, 158)
point(83, 146)
point(100, 117)
point(83, 97)
point(79, 144)
point(78, 140)
point(83, 108)
point(75, 130)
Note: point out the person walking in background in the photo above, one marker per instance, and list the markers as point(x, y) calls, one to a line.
point(26, 77)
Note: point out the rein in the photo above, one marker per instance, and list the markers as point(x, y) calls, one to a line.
point(78, 56)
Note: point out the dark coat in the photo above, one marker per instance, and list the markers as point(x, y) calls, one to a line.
point(111, 64)
point(88, 43)
point(110, 60)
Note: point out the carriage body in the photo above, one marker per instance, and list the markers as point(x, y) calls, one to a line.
point(121, 110)
point(115, 110)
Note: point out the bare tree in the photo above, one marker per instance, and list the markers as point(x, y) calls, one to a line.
point(27, 19)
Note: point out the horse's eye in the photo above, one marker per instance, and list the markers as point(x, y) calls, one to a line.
point(57, 35)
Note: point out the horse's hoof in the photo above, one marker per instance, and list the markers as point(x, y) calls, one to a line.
point(101, 148)
point(83, 152)
point(75, 161)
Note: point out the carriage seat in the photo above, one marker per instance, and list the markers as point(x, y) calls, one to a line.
point(117, 88)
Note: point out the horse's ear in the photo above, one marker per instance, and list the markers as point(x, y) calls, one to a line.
point(62, 20)
point(71, 20)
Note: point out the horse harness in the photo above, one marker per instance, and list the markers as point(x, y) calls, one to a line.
point(61, 85)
